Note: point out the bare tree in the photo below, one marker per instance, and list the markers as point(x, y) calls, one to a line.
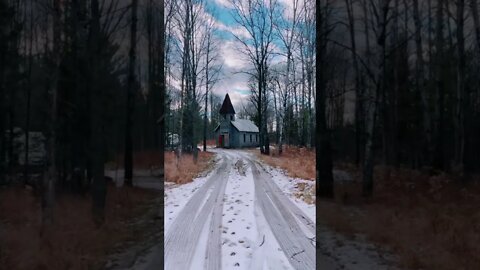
point(460, 105)
point(131, 84)
point(286, 29)
point(211, 72)
point(162, 85)
point(256, 17)
point(358, 88)
point(381, 11)
point(324, 164)
point(476, 21)
point(192, 44)
point(51, 176)
point(420, 78)
point(439, 86)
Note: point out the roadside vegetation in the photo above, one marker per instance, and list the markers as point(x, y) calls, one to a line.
point(73, 241)
point(184, 169)
point(430, 220)
point(298, 162)
point(405, 120)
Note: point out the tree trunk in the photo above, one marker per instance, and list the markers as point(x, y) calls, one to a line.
point(358, 89)
point(162, 89)
point(260, 109)
point(373, 98)
point(420, 82)
point(324, 164)
point(99, 188)
point(205, 122)
point(29, 95)
point(460, 95)
point(131, 85)
point(439, 88)
point(51, 176)
point(476, 21)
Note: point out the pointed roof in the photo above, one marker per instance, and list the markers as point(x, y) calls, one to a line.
point(227, 107)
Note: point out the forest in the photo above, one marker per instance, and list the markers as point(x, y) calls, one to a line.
point(85, 75)
point(398, 131)
point(399, 82)
point(276, 43)
point(81, 88)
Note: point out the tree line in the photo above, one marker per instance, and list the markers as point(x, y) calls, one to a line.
point(280, 46)
point(280, 50)
point(411, 67)
point(76, 72)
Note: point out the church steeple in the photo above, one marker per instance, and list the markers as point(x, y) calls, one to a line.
point(227, 109)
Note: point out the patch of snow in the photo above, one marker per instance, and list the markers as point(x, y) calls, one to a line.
point(176, 196)
point(268, 253)
point(289, 186)
point(246, 237)
point(198, 260)
point(239, 230)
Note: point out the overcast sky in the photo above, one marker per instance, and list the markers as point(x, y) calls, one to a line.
point(234, 61)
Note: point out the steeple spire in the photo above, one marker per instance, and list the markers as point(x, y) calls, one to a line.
point(227, 107)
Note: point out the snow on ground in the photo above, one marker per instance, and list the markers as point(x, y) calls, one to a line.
point(289, 186)
point(239, 230)
point(176, 196)
point(247, 240)
point(268, 254)
point(199, 255)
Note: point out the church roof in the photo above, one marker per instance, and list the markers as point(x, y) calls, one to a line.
point(244, 125)
point(227, 107)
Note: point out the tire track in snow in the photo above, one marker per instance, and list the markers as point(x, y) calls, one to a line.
point(213, 258)
point(182, 237)
point(281, 199)
point(294, 243)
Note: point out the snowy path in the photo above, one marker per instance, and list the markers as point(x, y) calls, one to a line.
point(237, 219)
point(296, 245)
point(247, 215)
point(181, 240)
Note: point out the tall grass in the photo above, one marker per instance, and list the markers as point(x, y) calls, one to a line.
point(184, 169)
point(297, 162)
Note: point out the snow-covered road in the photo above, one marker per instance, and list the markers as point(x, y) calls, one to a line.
point(237, 217)
point(244, 214)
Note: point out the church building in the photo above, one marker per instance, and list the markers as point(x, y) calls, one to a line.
point(232, 132)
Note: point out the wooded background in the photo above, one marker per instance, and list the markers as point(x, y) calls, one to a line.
point(412, 68)
point(277, 41)
point(396, 83)
point(87, 74)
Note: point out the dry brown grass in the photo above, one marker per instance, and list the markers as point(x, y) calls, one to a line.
point(432, 222)
point(73, 241)
point(297, 162)
point(141, 160)
point(186, 170)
